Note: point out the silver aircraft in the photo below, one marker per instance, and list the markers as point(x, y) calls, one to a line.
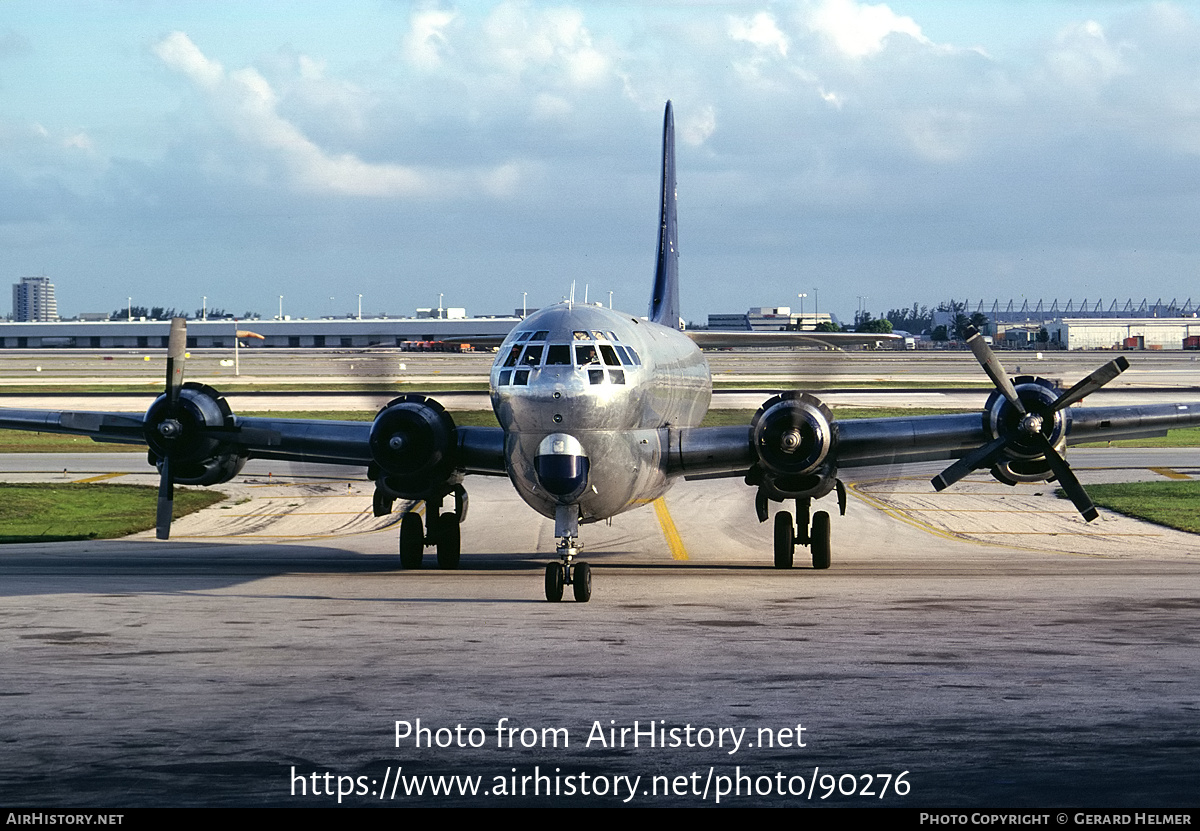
point(599, 412)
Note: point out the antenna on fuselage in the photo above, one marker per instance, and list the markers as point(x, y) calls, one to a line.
point(571, 300)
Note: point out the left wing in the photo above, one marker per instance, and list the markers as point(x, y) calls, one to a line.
point(413, 449)
point(794, 447)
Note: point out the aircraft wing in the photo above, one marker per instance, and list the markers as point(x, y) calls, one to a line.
point(722, 340)
point(794, 447)
point(413, 449)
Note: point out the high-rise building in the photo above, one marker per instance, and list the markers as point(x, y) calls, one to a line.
point(33, 300)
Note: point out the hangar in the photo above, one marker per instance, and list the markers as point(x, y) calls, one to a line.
point(1125, 333)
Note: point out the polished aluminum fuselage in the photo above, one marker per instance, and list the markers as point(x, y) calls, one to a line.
point(618, 414)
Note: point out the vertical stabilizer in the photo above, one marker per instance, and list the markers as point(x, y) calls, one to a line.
point(664, 303)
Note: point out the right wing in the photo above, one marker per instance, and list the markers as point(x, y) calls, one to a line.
point(793, 447)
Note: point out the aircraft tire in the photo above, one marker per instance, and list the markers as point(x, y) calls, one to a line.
point(785, 539)
point(412, 541)
point(822, 552)
point(554, 582)
point(581, 582)
point(449, 542)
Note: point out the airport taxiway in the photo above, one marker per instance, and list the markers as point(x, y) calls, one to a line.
point(274, 636)
point(984, 642)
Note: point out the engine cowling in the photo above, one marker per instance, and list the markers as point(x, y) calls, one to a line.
point(414, 442)
point(194, 432)
point(1024, 459)
point(794, 438)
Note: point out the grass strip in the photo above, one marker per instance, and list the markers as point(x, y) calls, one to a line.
point(1173, 504)
point(48, 512)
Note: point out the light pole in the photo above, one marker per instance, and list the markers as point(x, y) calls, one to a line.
point(129, 309)
point(281, 307)
point(204, 307)
point(524, 305)
point(439, 305)
point(610, 300)
point(816, 307)
point(802, 296)
point(360, 307)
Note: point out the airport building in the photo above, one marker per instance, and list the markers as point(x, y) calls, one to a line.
point(219, 334)
point(768, 319)
point(1126, 333)
point(33, 300)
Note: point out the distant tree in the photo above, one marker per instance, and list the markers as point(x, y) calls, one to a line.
point(827, 326)
point(940, 334)
point(916, 319)
point(1043, 336)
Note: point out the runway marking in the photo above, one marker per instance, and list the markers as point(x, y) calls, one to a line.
point(99, 478)
point(1169, 473)
point(678, 552)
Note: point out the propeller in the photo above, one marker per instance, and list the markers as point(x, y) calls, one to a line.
point(1031, 430)
point(170, 427)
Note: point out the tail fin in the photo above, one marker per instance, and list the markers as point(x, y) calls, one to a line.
point(664, 303)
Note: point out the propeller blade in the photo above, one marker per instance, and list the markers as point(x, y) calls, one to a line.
point(991, 365)
point(1091, 383)
point(1078, 496)
point(176, 348)
point(980, 457)
point(166, 501)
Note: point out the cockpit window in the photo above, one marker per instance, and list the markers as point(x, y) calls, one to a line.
point(582, 336)
point(511, 360)
point(558, 354)
point(596, 376)
point(598, 335)
point(610, 355)
point(539, 335)
point(524, 336)
point(532, 356)
point(586, 354)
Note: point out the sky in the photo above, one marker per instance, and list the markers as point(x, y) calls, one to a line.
point(493, 153)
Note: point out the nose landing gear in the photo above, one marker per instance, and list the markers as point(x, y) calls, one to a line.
point(565, 572)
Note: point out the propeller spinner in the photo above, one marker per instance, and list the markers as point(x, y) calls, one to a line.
point(1029, 430)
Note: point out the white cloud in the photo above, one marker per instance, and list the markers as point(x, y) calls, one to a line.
point(426, 40)
point(1084, 58)
point(858, 29)
point(246, 103)
point(698, 125)
point(520, 40)
point(760, 31)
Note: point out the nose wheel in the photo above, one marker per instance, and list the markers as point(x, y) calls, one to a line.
point(577, 576)
point(566, 572)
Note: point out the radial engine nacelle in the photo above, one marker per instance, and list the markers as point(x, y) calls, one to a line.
point(794, 438)
point(413, 442)
point(196, 432)
point(1024, 458)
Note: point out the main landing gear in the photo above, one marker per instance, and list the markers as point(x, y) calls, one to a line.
point(565, 572)
point(441, 530)
point(812, 532)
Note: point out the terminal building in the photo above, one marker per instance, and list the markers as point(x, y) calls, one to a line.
point(294, 334)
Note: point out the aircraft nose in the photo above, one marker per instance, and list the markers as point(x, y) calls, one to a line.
point(562, 465)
